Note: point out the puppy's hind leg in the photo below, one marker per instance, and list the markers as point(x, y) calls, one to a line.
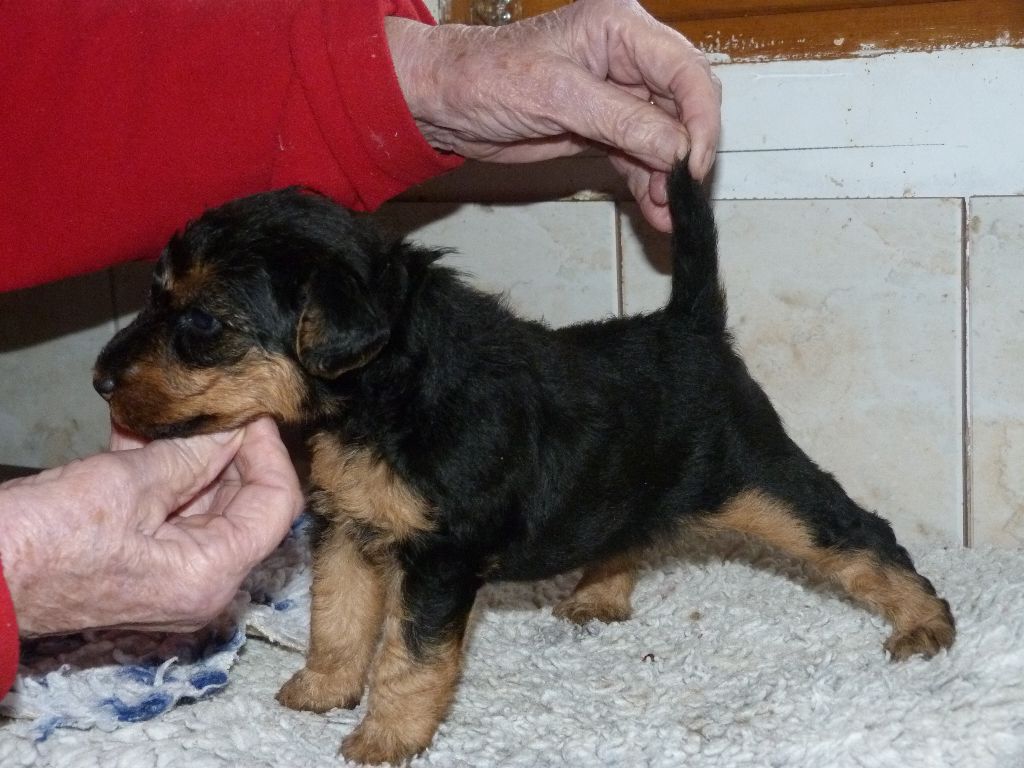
point(813, 520)
point(603, 592)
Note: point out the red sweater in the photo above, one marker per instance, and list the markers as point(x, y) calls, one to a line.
point(122, 119)
point(8, 638)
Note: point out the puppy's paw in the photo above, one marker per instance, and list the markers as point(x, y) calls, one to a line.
point(926, 638)
point(318, 692)
point(580, 609)
point(372, 743)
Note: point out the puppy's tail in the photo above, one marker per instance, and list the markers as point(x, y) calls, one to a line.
point(697, 295)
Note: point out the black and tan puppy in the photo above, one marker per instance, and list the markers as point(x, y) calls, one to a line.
point(454, 443)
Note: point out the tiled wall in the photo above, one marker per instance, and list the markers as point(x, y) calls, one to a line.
point(996, 369)
point(49, 337)
point(850, 312)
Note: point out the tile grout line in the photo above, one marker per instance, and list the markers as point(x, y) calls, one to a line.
point(965, 370)
point(617, 233)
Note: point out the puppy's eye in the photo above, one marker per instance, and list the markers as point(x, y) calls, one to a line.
point(201, 321)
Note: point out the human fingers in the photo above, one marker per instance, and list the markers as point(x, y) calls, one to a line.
point(636, 49)
point(606, 113)
point(647, 188)
point(704, 129)
point(257, 511)
point(703, 121)
point(694, 93)
point(168, 474)
point(270, 498)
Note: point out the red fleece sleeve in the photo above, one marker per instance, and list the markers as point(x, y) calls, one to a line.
point(125, 118)
point(8, 638)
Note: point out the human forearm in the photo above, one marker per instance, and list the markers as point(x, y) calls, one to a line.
point(596, 71)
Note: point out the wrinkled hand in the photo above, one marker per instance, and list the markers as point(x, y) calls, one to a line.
point(594, 71)
point(155, 537)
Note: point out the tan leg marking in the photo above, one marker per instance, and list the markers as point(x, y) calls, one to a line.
point(922, 623)
point(365, 489)
point(358, 492)
point(603, 592)
point(408, 696)
point(345, 622)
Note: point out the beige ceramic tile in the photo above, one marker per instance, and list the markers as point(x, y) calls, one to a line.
point(997, 370)
point(555, 261)
point(49, 338)
point(848, 314)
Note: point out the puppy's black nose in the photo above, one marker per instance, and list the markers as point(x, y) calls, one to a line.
point(104, 385)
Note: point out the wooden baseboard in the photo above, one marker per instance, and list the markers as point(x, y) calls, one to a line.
point(750, 30)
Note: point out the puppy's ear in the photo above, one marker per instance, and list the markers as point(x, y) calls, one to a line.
point(340, 328)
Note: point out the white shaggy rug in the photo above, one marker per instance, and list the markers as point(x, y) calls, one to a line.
point(728, 663)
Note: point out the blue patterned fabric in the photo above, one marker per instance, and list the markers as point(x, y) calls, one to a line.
point(105, 678)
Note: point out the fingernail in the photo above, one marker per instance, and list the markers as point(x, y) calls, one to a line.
point(703, 162)
point(683, 147)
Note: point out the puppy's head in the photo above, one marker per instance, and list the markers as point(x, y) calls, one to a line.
point(252, 308)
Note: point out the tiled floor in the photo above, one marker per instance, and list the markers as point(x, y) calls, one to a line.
point(848, 311)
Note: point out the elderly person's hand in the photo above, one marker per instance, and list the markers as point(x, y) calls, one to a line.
point(155, 537)
point(594, 71)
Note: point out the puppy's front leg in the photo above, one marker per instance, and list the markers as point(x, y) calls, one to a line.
point(417, 666)
point(347, 611)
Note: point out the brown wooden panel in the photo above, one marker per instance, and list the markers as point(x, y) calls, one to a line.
point(747, 30)
point(853, 31)
point(724, 9)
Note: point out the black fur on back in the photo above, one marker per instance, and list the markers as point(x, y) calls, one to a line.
point(542, 450)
